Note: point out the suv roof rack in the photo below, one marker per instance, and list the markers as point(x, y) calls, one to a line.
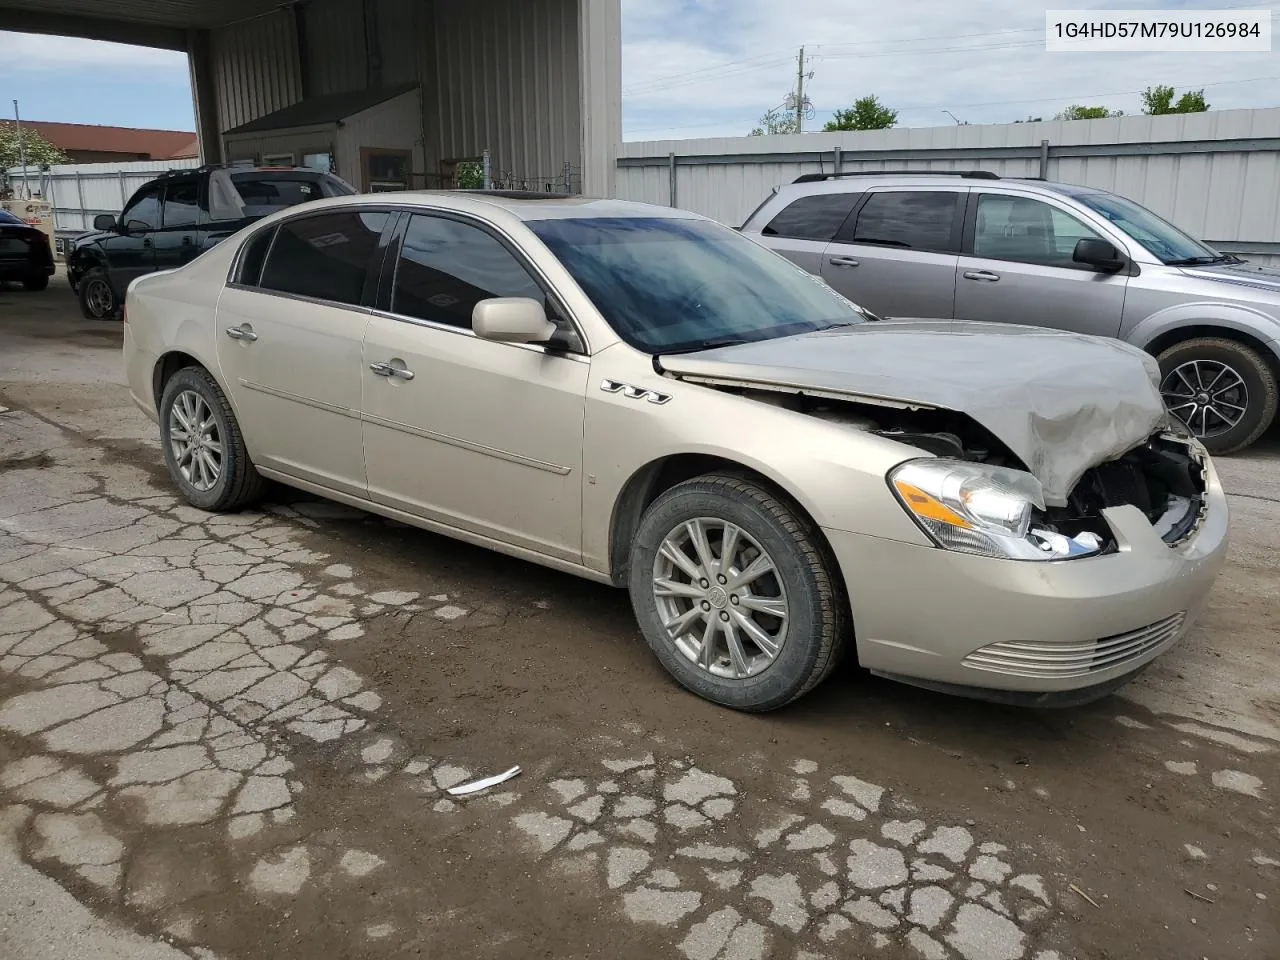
point(969, 174)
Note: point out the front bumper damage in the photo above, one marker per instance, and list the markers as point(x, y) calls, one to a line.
point(1051, 633)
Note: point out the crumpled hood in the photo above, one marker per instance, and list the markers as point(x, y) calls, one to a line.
point(1062, 402)
point(1245, 274)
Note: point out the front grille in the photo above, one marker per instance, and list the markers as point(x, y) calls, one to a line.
point(1062, 661)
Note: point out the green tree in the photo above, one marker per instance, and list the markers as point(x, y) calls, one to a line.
point(867, 113)
point(776, 121)
point(1159, 100)
point(1080, 112)
point(39, 150)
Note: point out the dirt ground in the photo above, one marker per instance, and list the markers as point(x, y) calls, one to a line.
point(229, 737)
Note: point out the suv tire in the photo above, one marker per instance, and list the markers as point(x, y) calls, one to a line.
point(97, 300)
point(803, 586)
point(216, 474)
point(1193, 370)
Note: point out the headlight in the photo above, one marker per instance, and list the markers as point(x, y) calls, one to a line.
point(973, 508)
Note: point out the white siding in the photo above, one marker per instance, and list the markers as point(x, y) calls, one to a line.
point(600, 73)
point(1224, 195)
point(391, 125)
point(506, 79)
point(255, 146)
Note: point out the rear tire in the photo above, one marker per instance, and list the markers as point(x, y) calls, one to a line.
point(807, 629)
point(1237, 382)
point(97, 300)
point(36, 283)
point(203, 446)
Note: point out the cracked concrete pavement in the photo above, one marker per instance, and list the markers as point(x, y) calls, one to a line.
point(231, 736)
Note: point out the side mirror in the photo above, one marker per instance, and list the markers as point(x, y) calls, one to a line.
point(104, 221)
point(1099, 254)
point(512, 320)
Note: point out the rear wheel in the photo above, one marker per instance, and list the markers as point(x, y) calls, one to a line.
point(35, 283)
point(735, 593)
point(1224, 391)
point(203, 447)
point(97, 300)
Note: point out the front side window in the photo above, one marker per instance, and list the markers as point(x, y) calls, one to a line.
point(1158, 235)
point(909, 219)
point(817, 217)
point(1028, 231)
point(182, 203)
point(446, 267)
point(326, 257)
point(143, 209)
point(667, 284)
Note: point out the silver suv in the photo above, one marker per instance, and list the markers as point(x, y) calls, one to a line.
point(970, 245)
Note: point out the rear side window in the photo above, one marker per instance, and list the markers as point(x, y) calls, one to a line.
point(908, 219)
point(255, 254)
point(326, 257)
point(447, 267)
point(263, 196)
point(817, 217)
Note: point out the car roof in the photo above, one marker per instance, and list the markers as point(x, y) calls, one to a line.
point(526, 206)
point(855, 184)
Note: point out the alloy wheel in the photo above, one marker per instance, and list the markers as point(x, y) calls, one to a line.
point(720, 598)
point(1209, 396)
point(195, 440)
point(98, 298)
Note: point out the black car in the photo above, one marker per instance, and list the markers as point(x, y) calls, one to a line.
point(174, 218)
point(25, 255)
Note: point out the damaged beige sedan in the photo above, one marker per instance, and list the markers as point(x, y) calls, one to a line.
point(643, 397)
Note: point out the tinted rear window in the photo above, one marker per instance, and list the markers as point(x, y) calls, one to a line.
point(909, 219)
point(326, 257)
point(263, 196)
point(812, 218)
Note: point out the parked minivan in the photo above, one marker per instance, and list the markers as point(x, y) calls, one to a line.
point(970, 245)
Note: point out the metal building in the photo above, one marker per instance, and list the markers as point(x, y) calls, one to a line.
point(431, 83)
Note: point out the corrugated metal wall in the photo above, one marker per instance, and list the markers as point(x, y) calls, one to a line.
point(335, 46)
point(506, 78)
point(1227, 193)
point(255, 68)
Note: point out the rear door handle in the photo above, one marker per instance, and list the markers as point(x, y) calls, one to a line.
point(843, 262)
point(986, 276)
point(241, 333)
point(387, 370)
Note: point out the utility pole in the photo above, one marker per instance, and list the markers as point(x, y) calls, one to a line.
point(799, 95)
point(22, 148)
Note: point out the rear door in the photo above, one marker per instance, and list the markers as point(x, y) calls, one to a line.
point(177, 242)
point(1017, 268)
point(290, 332)
point(897, 253)
point(803, 228)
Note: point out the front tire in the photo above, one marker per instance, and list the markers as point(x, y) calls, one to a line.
point(97, 300)
point(1224, 391)
point(203, 447)
point(735, 593)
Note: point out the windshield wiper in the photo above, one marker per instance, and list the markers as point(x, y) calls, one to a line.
point(1202, 261)
point(710, 344)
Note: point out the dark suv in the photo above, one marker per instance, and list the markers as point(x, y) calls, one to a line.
point(174, 218)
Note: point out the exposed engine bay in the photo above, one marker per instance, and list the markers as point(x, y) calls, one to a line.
point(1162, 477)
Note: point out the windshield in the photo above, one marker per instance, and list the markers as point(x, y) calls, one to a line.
point(667, 285)
point(1159, 236)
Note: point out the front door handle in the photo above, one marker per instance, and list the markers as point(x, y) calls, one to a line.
point(986, 276)
point(387, 370)
point(843, 262)
point(241, 333)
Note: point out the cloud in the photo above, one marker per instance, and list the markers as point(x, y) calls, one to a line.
point(27, 52)
point(712, 67)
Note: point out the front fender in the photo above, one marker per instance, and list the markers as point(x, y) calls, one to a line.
point(1255, 323)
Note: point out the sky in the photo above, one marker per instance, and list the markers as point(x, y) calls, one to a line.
point(711, 68)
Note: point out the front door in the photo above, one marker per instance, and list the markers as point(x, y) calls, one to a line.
point(482, 436)
point(178, 241)
point(131, 249)
point(1017, 268)
point(897, 254)
point(289, 343)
